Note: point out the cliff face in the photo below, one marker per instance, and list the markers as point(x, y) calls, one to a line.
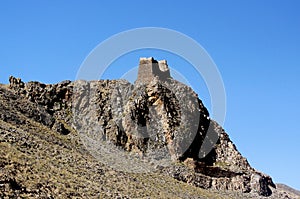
point(154, 126)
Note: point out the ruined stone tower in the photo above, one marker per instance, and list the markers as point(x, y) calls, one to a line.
point(150, 68)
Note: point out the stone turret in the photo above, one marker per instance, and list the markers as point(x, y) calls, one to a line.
point(150, 68)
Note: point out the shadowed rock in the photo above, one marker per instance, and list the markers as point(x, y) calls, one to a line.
point(158, 118)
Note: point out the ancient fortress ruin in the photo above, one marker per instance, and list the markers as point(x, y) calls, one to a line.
point(150, 68)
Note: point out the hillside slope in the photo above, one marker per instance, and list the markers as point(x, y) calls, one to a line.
point(75, 139)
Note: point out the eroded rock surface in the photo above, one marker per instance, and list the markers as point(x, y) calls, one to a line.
point(159, 118)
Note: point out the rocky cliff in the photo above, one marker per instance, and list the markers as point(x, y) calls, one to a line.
point(140, 136)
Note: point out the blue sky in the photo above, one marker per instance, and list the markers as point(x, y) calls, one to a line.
point(255, 44)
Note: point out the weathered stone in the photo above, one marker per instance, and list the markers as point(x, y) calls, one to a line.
point(150, 68)
point(260, 183)
point(157, 113)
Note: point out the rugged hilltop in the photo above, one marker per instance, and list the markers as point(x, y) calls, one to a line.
point(114, 139)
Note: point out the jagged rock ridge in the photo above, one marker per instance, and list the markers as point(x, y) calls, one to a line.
point(154, 113)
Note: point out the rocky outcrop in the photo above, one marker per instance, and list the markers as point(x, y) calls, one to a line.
point(158, 118)
point(54, 101)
